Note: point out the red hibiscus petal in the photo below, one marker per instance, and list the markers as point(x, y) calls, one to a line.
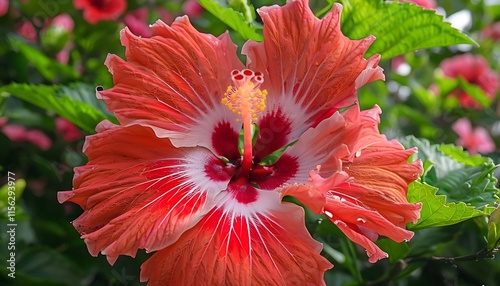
point(354, 214)
point(225, 248)
point(373, 252)
point(310, 67)
point(179, 77)
point(138, 191)
point(361, 223)
point(363, 179)
point(331, 138)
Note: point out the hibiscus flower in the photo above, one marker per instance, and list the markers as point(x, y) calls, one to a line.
point(475, 140)
point(19, 133)
point(137, 21)
point(4, 7)
point(207, 147)
point(67, 129)
point(474, 69)
point(491, 32)
point(95, 11)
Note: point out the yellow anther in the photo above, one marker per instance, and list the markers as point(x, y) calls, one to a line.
point(245, 97)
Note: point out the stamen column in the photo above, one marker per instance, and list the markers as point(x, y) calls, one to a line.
point(245, 98)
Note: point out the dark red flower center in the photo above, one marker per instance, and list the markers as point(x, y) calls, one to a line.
point(103, 4)
point(244, 184)
point(243, 157)
point(100, 4)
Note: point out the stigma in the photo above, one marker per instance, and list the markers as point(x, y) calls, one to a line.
point(244, 97)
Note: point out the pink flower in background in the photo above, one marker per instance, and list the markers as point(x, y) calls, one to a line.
point(61, 24)
point(62, 21)
point(4, 7)
point(192, 8)
point(63, 55)
point(174, 179)
point(475, 70)
point(18, 133)
point(136, 21)
point(26, 29)
point(428, 4)
point(165, 15)
point(38, 138)
point(491, 32)
point(95, 11)
point(475, 140)
point(15, 132)
point(396, 62)
point(68, 130)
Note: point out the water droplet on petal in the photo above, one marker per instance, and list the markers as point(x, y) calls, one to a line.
point(328, 214)
point(361, 219)
point(358, 153)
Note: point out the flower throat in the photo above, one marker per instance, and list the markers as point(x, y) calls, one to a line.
point(246, 99)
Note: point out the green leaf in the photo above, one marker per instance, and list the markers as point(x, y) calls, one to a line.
point(334, 253)
point(84, 92)
point(475, 92)
point(71, 102)
point(443, 164)
point(273, 157)
point(10, 195)
point(326, 9)
point(49, 68)
point(395, 250)
point(435, 211)
point(341, 248)
point(493, 236)
point(459, 176)
point(351, 254)
point(447, 85)
point(244, 8)
point(458, 154)
point(399, 27)
point(473, 185)
point(236, 20)
point(424, 124)
point(427, 98)
point(41, 265)
point(411, 113)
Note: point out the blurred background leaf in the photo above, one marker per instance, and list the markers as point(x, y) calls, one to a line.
point(38, 86)
point(77, 102)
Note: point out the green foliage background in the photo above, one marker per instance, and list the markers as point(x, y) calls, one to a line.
point(456, 237)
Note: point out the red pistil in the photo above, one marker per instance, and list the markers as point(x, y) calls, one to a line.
point(246, 99)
